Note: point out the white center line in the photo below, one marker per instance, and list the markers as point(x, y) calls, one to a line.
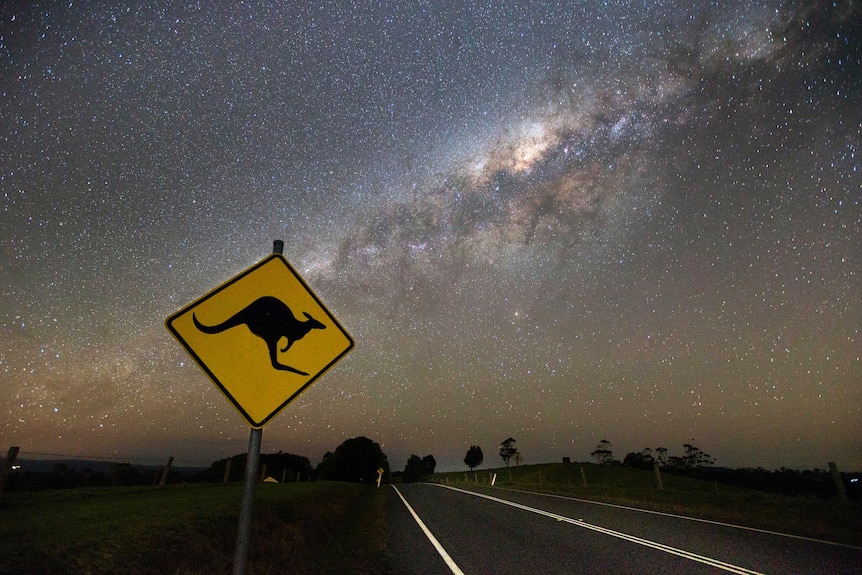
point(645, 542)
point(449, 562)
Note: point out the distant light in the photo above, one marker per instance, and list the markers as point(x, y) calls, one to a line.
point(854, 480)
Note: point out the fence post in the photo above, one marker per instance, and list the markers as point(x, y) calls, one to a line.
point(227, 464)
point(839, 484)
point(7, 466)
point(583, 476)
point(657, 472)
point(165, 471)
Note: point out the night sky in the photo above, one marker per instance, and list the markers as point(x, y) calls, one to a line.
point(557, 222)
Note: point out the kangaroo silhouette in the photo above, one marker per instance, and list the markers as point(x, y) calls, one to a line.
point(269, 319)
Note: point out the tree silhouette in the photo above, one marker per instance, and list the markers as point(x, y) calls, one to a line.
point(474, 457)
point(508, 450)
point(642, 460)
point(356, 460)
point(603, 453)
point(326, 468)
point(694, 458)
point(429, 464)
point(418, 468)
point(413, 470)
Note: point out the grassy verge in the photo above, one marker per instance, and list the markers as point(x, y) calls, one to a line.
point(803, 515)
point(187, 530)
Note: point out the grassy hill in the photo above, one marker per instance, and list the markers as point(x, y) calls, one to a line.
point(802, 515)
point(300, 528)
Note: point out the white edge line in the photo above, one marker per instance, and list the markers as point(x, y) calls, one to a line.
point(687, 518)
point(449, 561)
point(645, 542)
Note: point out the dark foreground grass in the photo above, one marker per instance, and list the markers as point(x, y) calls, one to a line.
point(804, 516)
point(299, 528)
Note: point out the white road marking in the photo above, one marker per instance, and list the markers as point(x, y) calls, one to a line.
point(449, 562)
point(640, 541)
point(687, 518)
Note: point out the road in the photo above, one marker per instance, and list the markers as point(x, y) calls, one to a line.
point(442, 530)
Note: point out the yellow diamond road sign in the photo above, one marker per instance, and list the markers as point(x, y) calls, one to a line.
point(263, 337)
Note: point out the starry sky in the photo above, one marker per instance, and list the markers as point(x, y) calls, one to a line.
point(560, 222)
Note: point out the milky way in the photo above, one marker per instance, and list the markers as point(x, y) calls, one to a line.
point(558, 223)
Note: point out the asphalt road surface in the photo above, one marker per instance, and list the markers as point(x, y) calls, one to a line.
point(435, 529)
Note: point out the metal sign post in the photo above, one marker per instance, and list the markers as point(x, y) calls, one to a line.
point(252, 462)
point(243, 534)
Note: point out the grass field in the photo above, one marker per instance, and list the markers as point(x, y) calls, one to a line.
point(330, 528)
point(299, 528)
point(803, 515)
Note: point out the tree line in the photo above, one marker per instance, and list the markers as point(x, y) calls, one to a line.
point(362, 460)
point(693, 457)
point(357, 459)
point(508, 452)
